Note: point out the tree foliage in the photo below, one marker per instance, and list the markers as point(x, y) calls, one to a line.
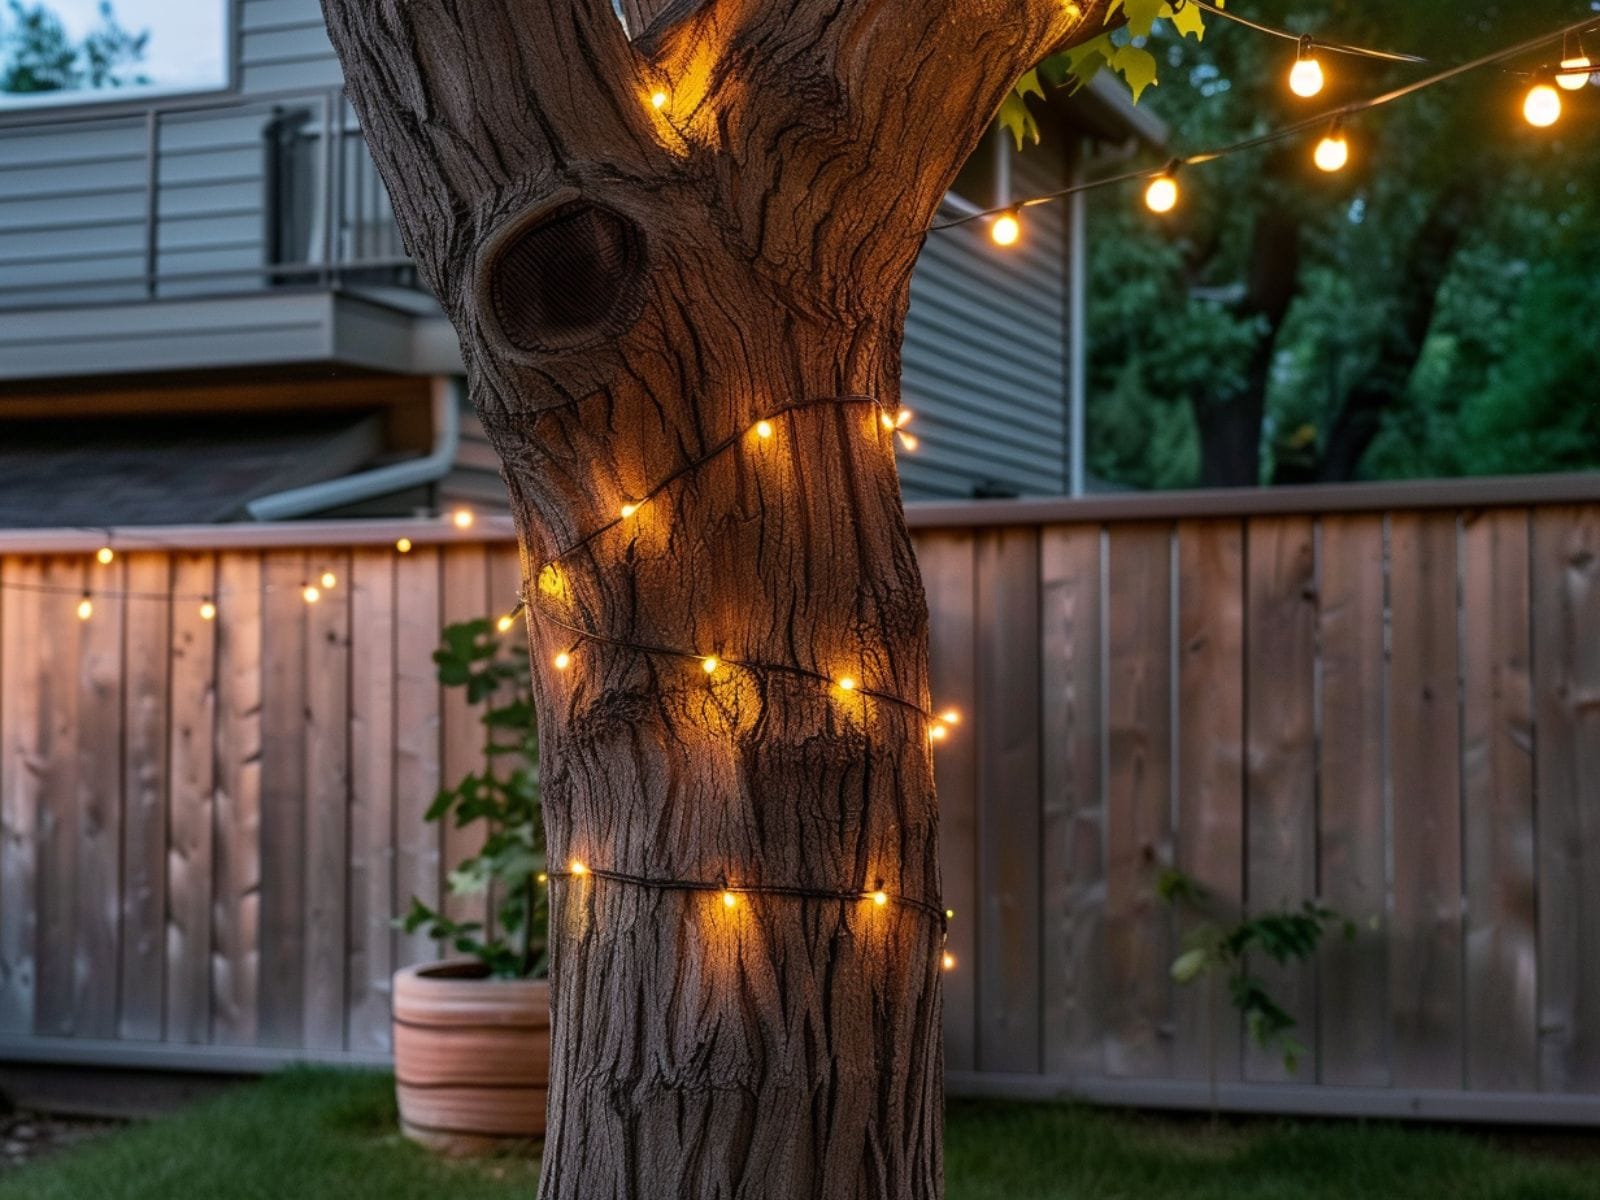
point(39, 55)
point(1421, 313)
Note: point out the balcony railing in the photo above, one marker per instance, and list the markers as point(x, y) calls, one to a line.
point(193, 199)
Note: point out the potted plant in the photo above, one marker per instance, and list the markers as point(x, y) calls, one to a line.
point(472, 1033)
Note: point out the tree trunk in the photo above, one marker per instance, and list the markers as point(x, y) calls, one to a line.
point(636, 284)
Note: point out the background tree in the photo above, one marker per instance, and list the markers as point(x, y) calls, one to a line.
point(1289, 326)
point(650, 238)
point(37, 54)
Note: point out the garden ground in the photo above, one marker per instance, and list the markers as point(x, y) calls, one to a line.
point(310, 1134)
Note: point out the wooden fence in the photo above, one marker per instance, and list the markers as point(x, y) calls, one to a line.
point(1388, 697)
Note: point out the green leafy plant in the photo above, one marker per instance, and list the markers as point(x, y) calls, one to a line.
point(1223, 946)
point(504, 797)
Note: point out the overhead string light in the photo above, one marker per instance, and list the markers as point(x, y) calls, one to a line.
point(1333, 151)
point(1541, 107)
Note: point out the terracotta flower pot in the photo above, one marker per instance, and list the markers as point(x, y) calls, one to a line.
point(471, 1057)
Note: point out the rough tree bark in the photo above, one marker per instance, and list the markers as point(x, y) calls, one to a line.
point(631, 286)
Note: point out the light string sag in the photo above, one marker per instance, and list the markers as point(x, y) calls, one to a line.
point(1541, 108)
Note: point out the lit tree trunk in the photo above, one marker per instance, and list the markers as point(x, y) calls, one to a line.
point(633, 285)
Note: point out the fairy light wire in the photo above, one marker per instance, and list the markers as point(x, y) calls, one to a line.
point(1283, 133)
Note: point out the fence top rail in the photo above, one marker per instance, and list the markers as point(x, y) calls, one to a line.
point(1515, 491)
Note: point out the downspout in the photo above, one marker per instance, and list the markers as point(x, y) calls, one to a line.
point(365, 485)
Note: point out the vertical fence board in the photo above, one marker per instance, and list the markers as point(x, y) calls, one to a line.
point(283, 798)
point(465, 570)
point(1139, 835)
point(1352, 835)
point(191, 803)
point(1008, 817)
point(372, 830)
point(1424, 738)
point(59, 662)
point(1566, 668)
point(1074, 802)
point(97, 900)
point(21, 789)
point(145, 692)
point(1210, 771)
point(416, 780)
point(1502, 1030)
point(1280, 799)
point(947, 575)
point(327, 791)
point(236, 903)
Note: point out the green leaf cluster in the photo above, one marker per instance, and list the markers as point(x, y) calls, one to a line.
point(38, 55)
point(1224, 945)
point(502, 797)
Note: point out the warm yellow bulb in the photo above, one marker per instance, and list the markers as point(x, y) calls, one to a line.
point(403, 545)
point(880, 898)
point(951, 716)
point(543, 878)
point(329, 579)
point(1305, 77)
point(463, 518)
point(763, 429)
point(903, 418)
point(1332, 153)
point(628, 510)
point(311, 593)
point(949, 962)
point(909, 440)
point(562, 661)
point(847, 684)
point(888, 421)
point(709, 664)
point(85, 609)
point(1542, 108)
point(1006, 230)
point(1162, 194)
point(949, 914)
point(658, 100)
point(105, 554)
point(729, 900)
point(208, 611)
point(577, 868)
point(505, 623)
point(1574, 79)
point(937, 732)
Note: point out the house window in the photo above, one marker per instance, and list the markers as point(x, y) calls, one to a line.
point(72, 52)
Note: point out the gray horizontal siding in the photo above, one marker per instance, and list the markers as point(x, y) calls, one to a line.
point(985, 358)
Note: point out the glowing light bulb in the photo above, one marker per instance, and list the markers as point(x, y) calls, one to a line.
point(1332, 153)
point(729, 900)
point(709, 664)
point(403, 545)
point(577, 868)
point(543, 878)
point(1578, 75)
point(311, 593)
point(1162, 194)
point(628, 510)
point(903, 418)
point(1006, 230)
point(951, 716)
point(208, 611)
point(909, 440)
point(658, 100)
point(1305, 77)
point(85, 609)
point(562, 661)
point(880, 898)
point(847, 684)
point(937, 732)
point(1542, 108)
point(763, 429)
point(105, 554)
point(463, 518)
point(949, 961)
point(887, 420)
point(505, 623)
point(329, 580)
point(949, 914)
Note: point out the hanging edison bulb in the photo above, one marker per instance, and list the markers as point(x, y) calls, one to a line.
point(85, 608)
point(1542, 107)
point(1575, 67)
point(1162, 194)
point(1333, 151)
point(1305, 77)
point(1007, 229)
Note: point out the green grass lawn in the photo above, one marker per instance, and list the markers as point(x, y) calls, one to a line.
point(308, 1134)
